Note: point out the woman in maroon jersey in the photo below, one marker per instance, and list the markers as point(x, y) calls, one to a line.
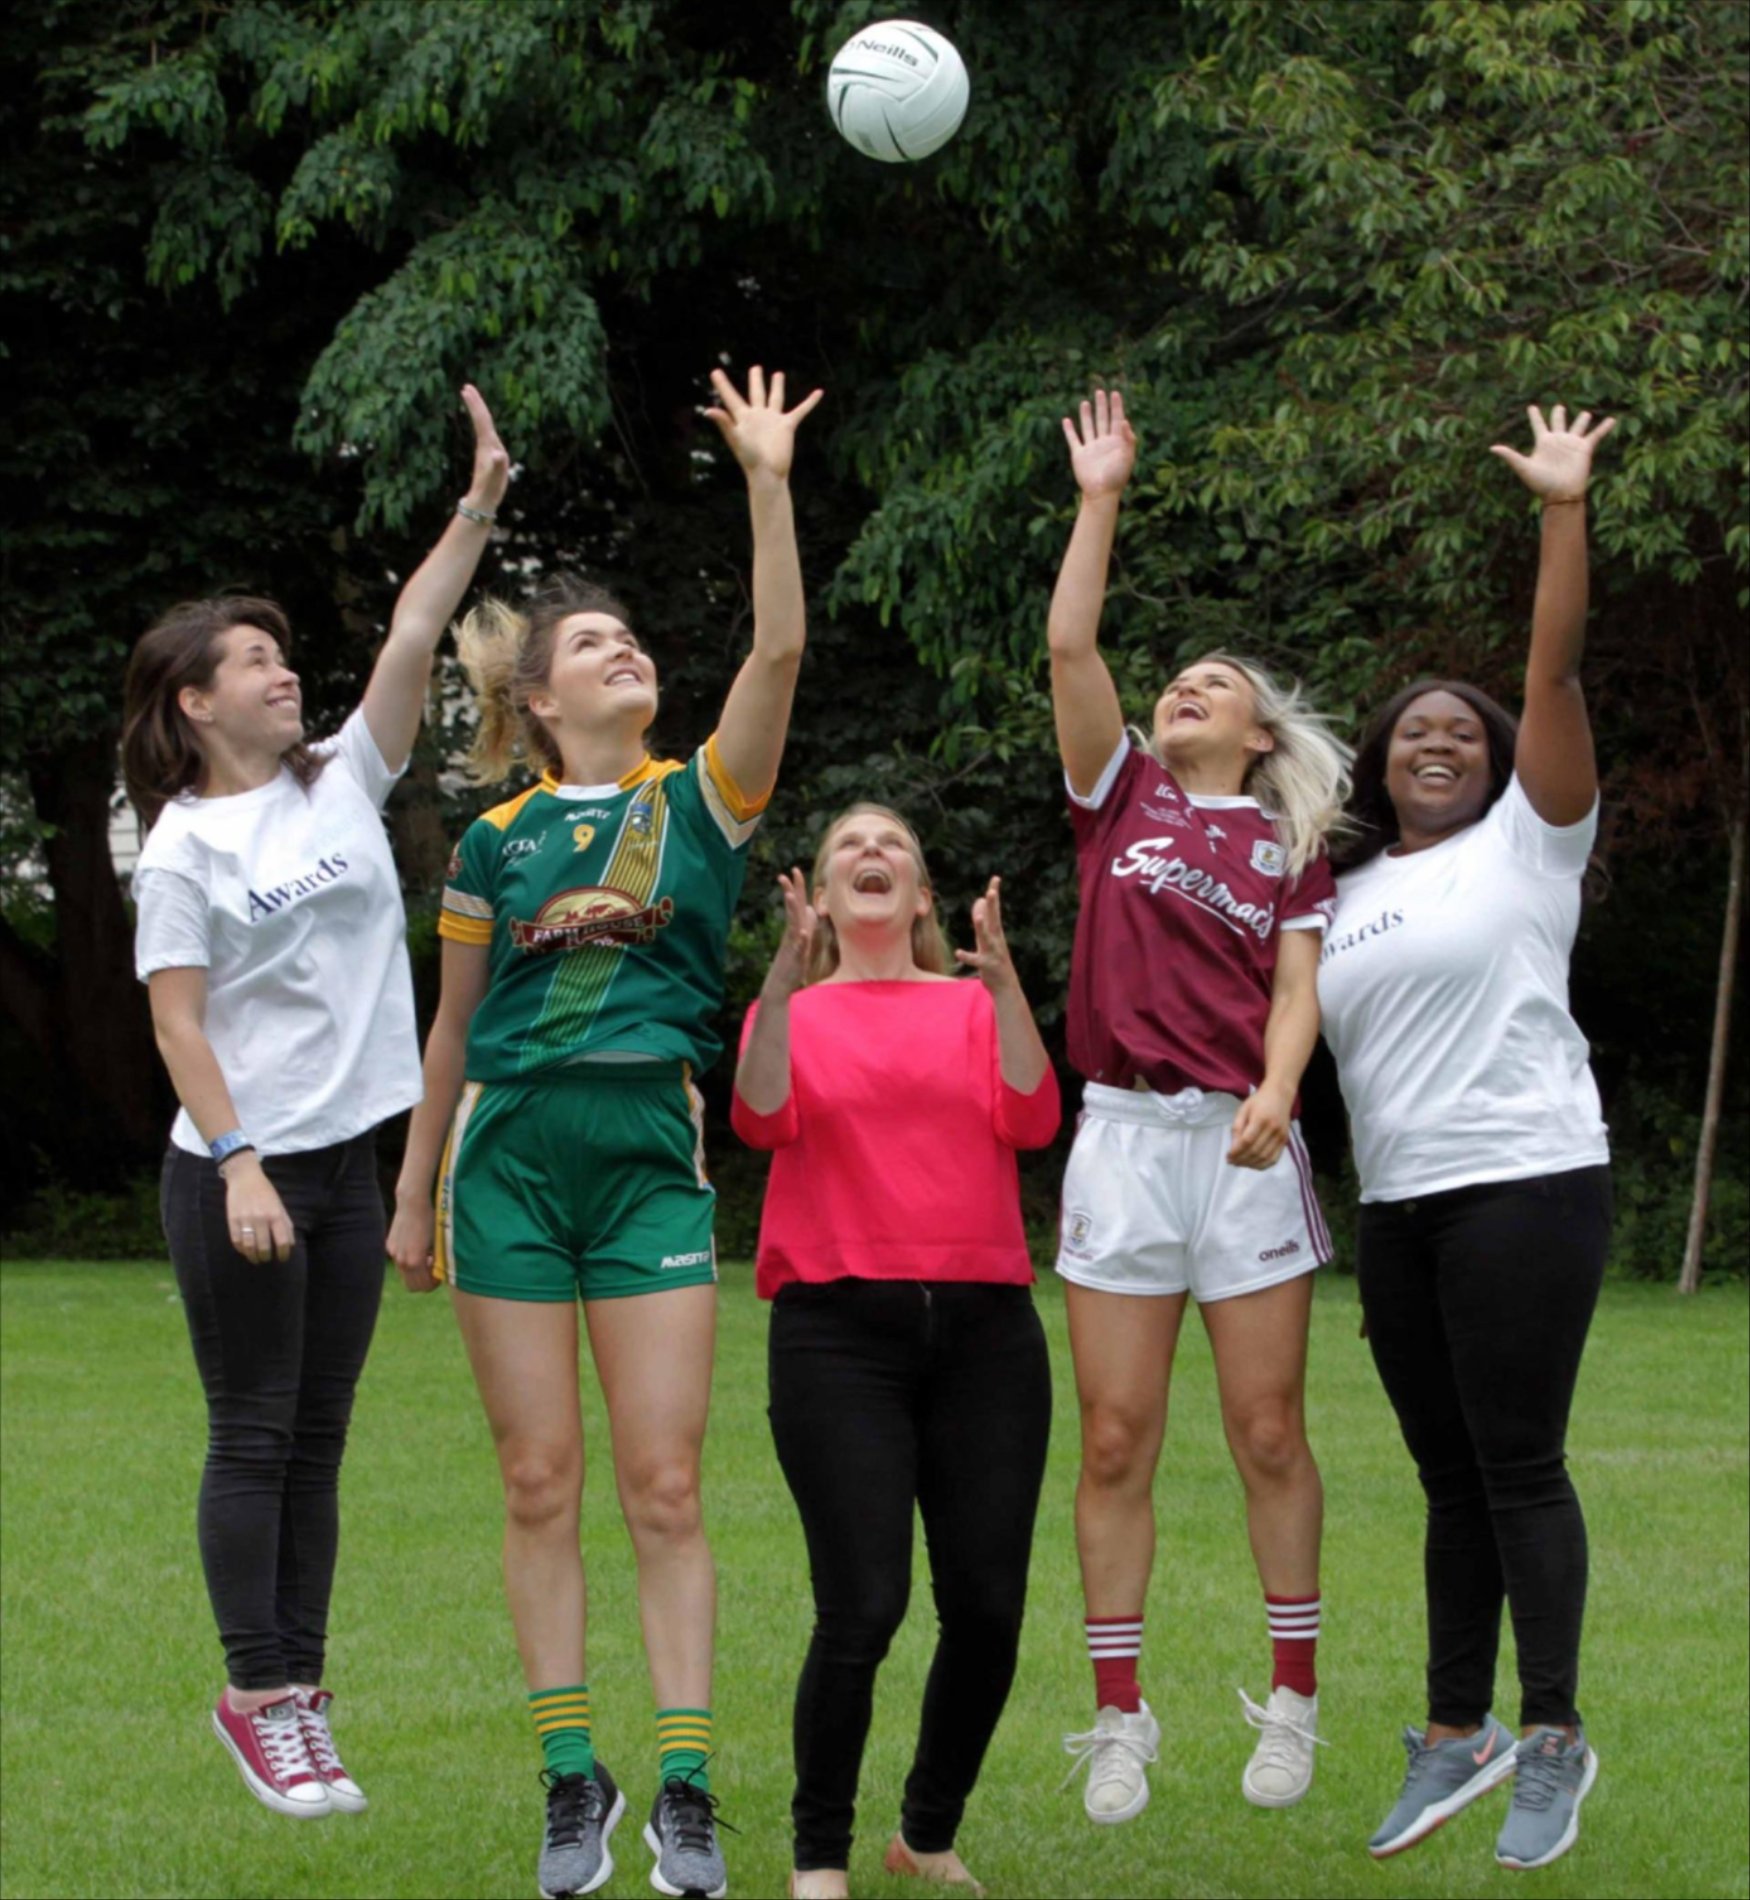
point(1192, 1012)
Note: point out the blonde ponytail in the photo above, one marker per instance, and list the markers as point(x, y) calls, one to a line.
point(507, 657)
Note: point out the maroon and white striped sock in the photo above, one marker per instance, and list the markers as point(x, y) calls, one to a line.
point(1294, 1642)
point(1114, 1645)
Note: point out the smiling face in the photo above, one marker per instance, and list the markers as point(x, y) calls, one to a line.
point(599, 675)
point(1437, 766)
point(253, 702)
point(869, 878)
point(1209, 713)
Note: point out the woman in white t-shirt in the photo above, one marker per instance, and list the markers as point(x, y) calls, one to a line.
point(272, 938)
point(1485, 1185)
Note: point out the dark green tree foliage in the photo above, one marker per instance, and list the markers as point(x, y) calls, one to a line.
point(1330, 250)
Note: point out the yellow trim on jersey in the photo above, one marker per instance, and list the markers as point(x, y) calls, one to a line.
point(502, 817)
point(647, 768)
point(462, 929)
point(741, 807)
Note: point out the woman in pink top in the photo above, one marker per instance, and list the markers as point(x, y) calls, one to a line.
point(907, 1364)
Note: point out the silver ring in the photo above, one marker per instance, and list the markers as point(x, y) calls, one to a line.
point(248, 1230)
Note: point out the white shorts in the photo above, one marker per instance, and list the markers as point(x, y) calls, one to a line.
point(1151, 1203)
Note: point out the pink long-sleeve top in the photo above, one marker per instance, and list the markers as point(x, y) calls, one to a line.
point(895, 1149)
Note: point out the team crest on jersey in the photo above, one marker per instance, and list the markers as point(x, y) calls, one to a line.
point(640, 818)
point(1269, 857)
point(596, 914)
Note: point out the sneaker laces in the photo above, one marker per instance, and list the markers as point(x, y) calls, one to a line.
point(283, 1744)
point(1102, 1752)
point(1537, 1779)
point(1277, 1734)
point(319, 1740)
point(691, 1814)
point(573, 1802)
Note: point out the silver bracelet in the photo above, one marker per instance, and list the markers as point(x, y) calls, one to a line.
point(476, 514)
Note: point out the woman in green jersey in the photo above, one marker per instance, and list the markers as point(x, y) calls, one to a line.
point(584, 926)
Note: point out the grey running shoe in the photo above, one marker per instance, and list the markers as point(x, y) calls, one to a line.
point(1442, 1780)
point(1554, 1777)
point(582, 1813)
point(682, 1834)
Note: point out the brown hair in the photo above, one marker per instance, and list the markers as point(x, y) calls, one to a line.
point(929, 944)
point(507, 654)
point(161, 754)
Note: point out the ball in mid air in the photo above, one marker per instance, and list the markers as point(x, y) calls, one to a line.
point(897, 91)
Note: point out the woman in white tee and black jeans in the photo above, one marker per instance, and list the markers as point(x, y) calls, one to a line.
point(271, 934)
point(1485, 1185)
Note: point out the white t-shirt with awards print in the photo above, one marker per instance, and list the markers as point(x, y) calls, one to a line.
point(287, 897)
point(1443, 987)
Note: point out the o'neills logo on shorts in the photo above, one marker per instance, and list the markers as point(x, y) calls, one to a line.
point(575, 919)
point(1281, 1253)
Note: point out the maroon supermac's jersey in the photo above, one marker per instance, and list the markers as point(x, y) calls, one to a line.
point(1182, 902)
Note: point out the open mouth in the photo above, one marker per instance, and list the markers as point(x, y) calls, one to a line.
point(1187, 711)
point(1434, 775)
point(285, 702)
point(623, 675)
point(872, 877)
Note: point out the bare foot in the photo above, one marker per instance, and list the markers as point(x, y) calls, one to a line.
point(820, 1883)
point(947, 1868)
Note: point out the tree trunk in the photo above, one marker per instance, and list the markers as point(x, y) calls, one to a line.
point(115, 1111)
point(1690, 1278)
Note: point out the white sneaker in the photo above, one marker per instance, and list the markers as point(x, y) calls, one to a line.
point(1281, 1768)
point(1116, 1752)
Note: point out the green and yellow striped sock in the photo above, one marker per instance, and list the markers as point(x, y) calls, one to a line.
point(683, 1741)
point(562, 1723)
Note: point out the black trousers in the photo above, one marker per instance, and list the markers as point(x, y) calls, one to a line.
point(886, 1395)
point(1478, 1303)
point(279, 1347)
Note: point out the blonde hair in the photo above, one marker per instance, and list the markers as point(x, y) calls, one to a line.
point(1303, 782)
point(929, 943)
point(507, 656)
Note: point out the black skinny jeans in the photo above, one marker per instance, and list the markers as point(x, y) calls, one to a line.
point(1478, 1302)
point(279, 1346)
point(886, 1395)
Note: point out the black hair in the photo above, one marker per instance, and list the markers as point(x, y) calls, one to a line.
point(1370, 807)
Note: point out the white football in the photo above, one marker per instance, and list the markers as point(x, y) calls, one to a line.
point(897, 91)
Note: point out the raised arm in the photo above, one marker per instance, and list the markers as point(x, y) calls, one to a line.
point(1021, 1053)
point(762, 1077)
point(1554, 760)
point(756, 715)
point(395, 698)
point(1089, 720)
point(465, 972)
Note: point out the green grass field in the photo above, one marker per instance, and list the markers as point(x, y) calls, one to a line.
point(114, 1785)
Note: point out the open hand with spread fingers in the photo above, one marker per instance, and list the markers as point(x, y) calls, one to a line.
point(1102, 452)
point(491, 476)
point(789, 969)
point(760, 432)
point(990, 958)
point(1560, 463)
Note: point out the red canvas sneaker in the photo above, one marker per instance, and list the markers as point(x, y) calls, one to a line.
point(343, 1792)
point(272, 1756)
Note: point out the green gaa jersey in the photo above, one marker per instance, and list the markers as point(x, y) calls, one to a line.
point(606, 911)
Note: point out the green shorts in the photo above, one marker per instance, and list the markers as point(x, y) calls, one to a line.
point(590, 1182)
